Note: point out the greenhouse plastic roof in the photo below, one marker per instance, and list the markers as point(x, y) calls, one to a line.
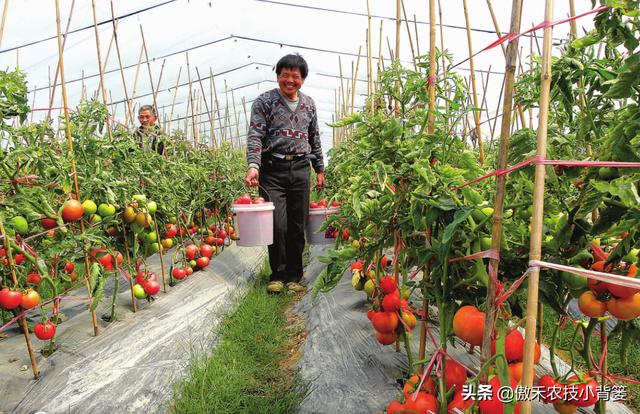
point(240, 41)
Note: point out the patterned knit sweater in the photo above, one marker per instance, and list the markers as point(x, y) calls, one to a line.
point(274, 128)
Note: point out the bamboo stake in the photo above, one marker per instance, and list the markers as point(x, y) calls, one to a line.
point(206, 105)
point(215, 94)
point(496, 231)
point(380, 60)
point(538, 206)
point(74, 171)
point(476, 112)
point(233, 102)
point(369, 61)
point(21, 321)
point(155, 93)
point(415, 28)
point(212, 115)
point(173, 104)
point(246, 117)
point(83, 88)
point(146, 57)
point(101, 86)
point(106, 59)
point(227, 119)
point(353, 80)
point(191, 96)
point(573, 24)
point(406, 22)
point(55, 77)
point(124, 81)
point(33, 102)
point(4, 18)
point(398, 24)
point(137, 76)
point(495, 25)
point(431, 126)
point(444, 67)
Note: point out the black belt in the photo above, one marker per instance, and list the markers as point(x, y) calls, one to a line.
point(288, 157)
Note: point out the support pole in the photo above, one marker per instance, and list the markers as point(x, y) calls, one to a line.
point(55, 77)
point(496, 230)
point(124, 81)
point(538, 206)
point(74, 171)
point(4, 18)
point(476, 109)
point(103, 90)
point(173, 103)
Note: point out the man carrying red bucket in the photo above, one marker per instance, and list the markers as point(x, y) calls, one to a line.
point(282, 145)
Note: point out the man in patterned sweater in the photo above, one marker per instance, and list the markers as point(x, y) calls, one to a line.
point(282, 143)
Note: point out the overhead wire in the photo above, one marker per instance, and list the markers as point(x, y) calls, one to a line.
point(80, 29)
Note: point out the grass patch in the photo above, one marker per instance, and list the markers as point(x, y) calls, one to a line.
point(616, 367)
point(253, 368)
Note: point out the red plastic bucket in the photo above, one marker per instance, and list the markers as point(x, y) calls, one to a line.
point(317, 216)
point(254, 223)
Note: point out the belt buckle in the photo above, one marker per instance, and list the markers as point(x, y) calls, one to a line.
point(289, 157)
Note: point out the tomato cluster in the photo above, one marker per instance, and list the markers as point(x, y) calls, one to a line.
point(567, 394)
point(620, 301)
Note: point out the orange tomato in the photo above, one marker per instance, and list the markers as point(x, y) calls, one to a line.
point(468, 324)
point(590, 305)
point(623, 291)
point(625, 309)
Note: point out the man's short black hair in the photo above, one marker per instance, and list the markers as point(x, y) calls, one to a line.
point(293, 62)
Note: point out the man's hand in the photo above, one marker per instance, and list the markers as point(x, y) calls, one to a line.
point(320, 181)
point(251, 179)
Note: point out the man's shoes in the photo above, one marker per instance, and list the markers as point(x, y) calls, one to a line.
point(295, 287)
point(275, 286)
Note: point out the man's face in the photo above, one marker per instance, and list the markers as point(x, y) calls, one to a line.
point(147, 118)
point(290, 81)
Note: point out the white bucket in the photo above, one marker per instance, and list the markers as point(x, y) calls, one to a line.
point(255, 224)
point(317, 216)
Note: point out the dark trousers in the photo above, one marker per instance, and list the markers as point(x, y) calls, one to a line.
point(286, 184)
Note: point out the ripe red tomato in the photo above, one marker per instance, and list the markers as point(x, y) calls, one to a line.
point(468, 324)
point(19, 258)
point(513, 346)
point(222, 234)
point(206, 251)
point(424, 403)
point(313, 205)
point(152, 287)
point(356, 265)
point(48, 223)
point(258, 200)
point(10, 299)
point(322, 204)
point(44, 331)
point(210, 240)
point(202, 262)
point(34, 278)
point(623, 291)
point(190, 251)
point(459, 403)
point(395, 407)
point(493, 405)
point(69, 267)
point(386, 338)
point(172, 231)
point(179, 273)
point(581, 392)
point(30, 299)
point(388, 285)
point(455, 374)
point(391, 302)
point(385, 322)
point(551, 389)
point(335, 204)
point(72, 210)
point(243, 199)
point(188, 270)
